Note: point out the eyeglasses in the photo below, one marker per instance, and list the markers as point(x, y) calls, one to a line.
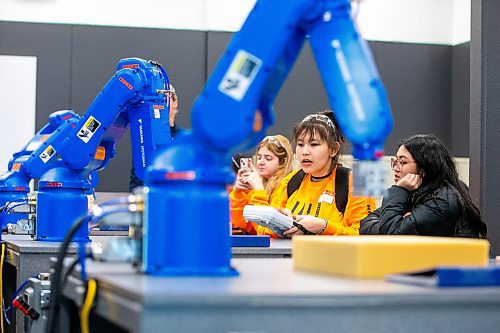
point(272, 139)
point(399, 164)
point(320, 117)
point(171, 93)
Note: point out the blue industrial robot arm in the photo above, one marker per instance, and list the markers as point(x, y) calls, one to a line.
point(15, 183)
point(65, 161)
point(186, 182)
point(134, 95)
point(17, 175)
point(258, 59)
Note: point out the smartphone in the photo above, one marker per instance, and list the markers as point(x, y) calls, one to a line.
point(244, 162)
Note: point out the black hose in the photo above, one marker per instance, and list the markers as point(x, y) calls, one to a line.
point(69, 271)
point(55, 287)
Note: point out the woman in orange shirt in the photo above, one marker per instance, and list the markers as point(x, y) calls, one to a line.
point(313, 205)
point(273, 161)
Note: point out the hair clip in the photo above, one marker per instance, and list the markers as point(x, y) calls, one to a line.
point(272, 139)
point(320, 117)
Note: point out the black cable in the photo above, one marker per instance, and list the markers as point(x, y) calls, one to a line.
point(68, 272)
point(56, 283)
point(55, 287)
point(302, 228)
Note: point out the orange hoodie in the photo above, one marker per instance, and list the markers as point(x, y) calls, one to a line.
point(311, 198)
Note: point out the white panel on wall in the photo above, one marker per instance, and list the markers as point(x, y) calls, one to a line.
point(219, 19)
point(414, 21)
point(172, 14)
point(17, 105)
point(461, 21)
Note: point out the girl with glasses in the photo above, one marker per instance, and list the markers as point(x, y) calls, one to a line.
point(428, 198)
point(257, 183)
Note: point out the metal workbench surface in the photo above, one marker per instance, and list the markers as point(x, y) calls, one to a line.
point(28, 257)
point(269, 296)
point(279, 248)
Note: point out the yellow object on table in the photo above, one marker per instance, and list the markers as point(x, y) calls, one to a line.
point(377, 256)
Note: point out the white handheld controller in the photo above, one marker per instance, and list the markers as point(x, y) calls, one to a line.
point(268, 217)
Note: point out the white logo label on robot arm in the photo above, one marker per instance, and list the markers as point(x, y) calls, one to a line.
point(88, 129)
point(240, 75)
point(47, 154)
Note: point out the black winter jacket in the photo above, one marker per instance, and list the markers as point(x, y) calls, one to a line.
point(438, 214)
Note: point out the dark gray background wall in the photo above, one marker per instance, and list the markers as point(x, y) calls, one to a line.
point(460, 98)
point(427, 84)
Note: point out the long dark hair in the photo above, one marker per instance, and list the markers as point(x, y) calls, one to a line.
point(435, 163)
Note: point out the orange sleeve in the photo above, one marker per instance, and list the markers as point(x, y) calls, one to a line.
point(357, 209)
point(278, 199)
point(237, 201)
point(259, 198)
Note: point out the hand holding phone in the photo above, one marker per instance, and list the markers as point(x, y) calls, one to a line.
point(245, 163)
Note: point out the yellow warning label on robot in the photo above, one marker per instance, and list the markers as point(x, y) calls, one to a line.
point(88, 129)
point(47, 154)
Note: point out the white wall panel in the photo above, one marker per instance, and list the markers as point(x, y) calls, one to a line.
point(461, 21)
point(227, 15)
point(17, 105)
point(172, 14)
point(414, 21)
